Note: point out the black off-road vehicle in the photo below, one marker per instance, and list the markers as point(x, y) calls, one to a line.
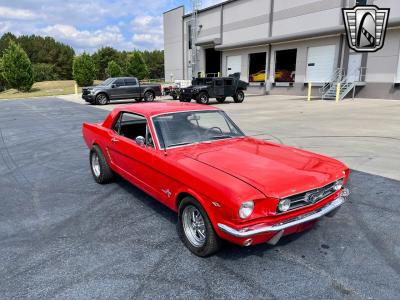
point(202, 89)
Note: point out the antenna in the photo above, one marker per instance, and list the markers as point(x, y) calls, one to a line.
point(196, 5)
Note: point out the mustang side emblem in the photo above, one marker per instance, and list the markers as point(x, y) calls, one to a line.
point(365, 27)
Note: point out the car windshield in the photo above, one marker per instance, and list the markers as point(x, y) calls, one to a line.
point(184, 128)
point(106, 82)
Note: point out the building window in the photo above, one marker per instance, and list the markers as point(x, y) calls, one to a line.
point(361, 2)
point(285, 65)
point(190, 36)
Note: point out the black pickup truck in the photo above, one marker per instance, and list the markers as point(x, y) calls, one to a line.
point(120, 88)
point(202, 89)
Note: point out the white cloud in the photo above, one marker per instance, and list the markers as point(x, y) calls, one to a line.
point(85, 39)
point(90, 24)
point(142, 21)
point(17, 14)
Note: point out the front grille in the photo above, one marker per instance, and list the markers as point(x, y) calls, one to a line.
point(85, 92)
point(312, 196)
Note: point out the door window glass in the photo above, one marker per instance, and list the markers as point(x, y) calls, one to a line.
point(119, 82)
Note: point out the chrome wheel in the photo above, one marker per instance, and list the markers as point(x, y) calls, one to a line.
point(193, 226)
point(102, 99)
point(95, 164)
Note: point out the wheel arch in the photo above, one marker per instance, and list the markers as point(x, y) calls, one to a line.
point(204, 203)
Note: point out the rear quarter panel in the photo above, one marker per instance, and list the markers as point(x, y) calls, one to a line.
point(94, 133)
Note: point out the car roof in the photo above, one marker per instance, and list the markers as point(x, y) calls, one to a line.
point(156, 108)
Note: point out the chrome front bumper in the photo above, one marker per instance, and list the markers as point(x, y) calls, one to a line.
point(283, 225)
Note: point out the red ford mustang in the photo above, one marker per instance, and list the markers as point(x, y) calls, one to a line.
point(223, 184)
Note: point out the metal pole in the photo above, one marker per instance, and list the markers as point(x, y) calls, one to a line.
point(309, 91)
point(337, 92)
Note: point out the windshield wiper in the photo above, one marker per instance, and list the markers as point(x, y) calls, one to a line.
point(179, 144)
point(224, 136)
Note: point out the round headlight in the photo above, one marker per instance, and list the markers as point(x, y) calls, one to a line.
point(246, 209)
point(338, 185)
point(284, 205)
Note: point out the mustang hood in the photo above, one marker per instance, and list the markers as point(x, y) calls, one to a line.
point(275, 170)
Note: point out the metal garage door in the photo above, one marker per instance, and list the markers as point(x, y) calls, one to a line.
point(233, 64)
point(320, 63)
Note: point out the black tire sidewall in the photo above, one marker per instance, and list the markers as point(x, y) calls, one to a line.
point(97, 101)
point(106, 174)
point(208, 248)
point(146, 96)
point(201, 95)
point(237, 99)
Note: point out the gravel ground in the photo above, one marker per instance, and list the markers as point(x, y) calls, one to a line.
point(64, 236)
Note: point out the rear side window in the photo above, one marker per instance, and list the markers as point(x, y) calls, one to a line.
point(119, 82)
point(219, 82)
point(130, 81)
point(229, 82)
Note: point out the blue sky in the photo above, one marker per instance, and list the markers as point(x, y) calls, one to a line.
point(87, 25)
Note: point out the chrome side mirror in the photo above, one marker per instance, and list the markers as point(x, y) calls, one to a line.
point(140, 141)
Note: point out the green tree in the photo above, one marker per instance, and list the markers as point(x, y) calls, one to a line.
point(5, 41)
point(44, 72)
point(44, 50)
point(102, 57)
point(84, 70)
point(17, 68)
point(113, 69)
point(155, 62)
point(2, 80)
point(135, 65)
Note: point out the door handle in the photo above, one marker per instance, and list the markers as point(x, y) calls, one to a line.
point(114, 140)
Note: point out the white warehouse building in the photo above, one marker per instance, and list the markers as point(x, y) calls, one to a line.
point(279, 46)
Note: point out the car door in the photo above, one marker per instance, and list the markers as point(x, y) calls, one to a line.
point(228, 87)
point(133, 161)
point(219, 87)
point(132, 88)
point(118, 90)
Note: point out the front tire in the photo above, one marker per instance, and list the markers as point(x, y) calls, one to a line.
point(239, 96)
point(148, 96)
point(203, 98)
point(101, 171)
point(196, 230)
point(102, 99)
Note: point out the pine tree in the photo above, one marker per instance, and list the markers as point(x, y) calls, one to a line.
point(84, 70)
point(17, 68)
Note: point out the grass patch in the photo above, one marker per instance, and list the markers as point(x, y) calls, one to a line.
point(45, 88)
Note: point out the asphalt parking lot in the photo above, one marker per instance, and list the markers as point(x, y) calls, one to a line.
point(64, 236)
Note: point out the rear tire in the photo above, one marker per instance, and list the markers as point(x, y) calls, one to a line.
point(221, 99)
point(238, 97)
point(102, 99)
point(202, 98)
point(149, 96)
point(175, 97)
point(101, 171)
point(197, 233)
